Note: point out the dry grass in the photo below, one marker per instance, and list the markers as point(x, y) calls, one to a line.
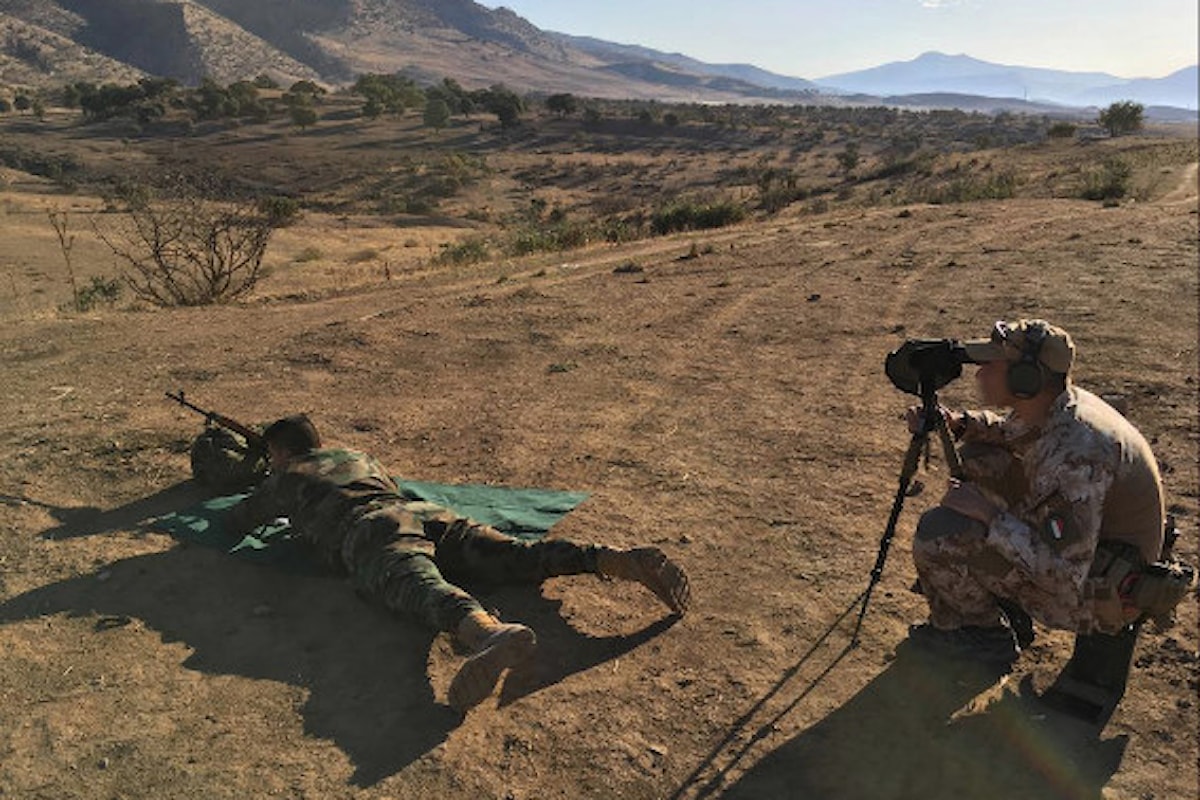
point(358, 180)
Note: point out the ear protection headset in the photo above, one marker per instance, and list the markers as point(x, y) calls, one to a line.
point(1027, 375)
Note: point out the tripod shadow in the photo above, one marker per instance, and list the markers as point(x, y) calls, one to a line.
point(900, 737)
point(728, 753)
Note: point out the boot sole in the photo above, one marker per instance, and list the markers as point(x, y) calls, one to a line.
point(478, 676)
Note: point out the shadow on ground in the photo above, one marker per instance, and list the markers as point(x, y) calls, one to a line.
point(364, 670)
point(90, 520)
point(900, 737)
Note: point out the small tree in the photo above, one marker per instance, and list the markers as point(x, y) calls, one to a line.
point(189, 250)
point(506, 104)
point(303, 116)
point(61, 222)
point(848, 159)
point(306, 87)
point(437, 114)
point(22, 102)
point(1122, 117)
point(562, 104)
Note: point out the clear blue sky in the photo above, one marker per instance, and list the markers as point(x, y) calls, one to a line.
point(810, 39)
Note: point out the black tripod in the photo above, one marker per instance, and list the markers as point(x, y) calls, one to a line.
point(932, 420)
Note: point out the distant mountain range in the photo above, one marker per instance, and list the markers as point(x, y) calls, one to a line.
point(938, 72)
point(52, 42)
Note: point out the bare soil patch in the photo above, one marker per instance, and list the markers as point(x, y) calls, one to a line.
point(730, 407)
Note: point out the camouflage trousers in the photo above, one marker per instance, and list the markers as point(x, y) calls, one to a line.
point(963, 575)
point(405, 556)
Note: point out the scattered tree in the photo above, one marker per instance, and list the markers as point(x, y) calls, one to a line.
point(303, 116)
point(1122, 117)
point(562, 104)
point(306, 87)
point(437, 114)
point(390, 93)
point(848, 158)
point(506, 104)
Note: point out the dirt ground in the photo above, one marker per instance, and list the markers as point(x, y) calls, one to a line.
point(731, 408)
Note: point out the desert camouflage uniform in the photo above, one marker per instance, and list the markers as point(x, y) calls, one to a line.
point(1087, 475)
point(345, 505)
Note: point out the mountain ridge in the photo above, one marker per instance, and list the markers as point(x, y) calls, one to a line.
point(51, 42)
point(936, 72)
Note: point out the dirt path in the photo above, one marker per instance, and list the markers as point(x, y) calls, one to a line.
point(1187, 189)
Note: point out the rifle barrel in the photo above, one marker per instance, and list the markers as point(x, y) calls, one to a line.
point(252, 437)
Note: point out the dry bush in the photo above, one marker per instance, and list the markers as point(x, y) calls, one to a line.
point(188, 250)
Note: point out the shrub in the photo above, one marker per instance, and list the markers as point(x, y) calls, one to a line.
point(1061, 130)
point(188, 250)
point(1109, 181)
point(470, 250)
point(562, 235)
point(280, 211)
point(101, 291)
point(687, 215)
point(999, 185)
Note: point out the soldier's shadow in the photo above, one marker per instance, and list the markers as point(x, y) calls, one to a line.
point(364, 670)
point(913, 732)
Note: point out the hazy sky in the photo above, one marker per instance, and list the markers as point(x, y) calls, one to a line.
point(810, 39)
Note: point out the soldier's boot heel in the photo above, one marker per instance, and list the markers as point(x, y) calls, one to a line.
point(505, 647)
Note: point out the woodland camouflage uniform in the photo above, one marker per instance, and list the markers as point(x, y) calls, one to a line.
point(395, 551)
point(1086, 475)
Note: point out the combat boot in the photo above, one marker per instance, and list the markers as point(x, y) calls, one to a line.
point(650, 567)
point(996, 645)
point(495, 646)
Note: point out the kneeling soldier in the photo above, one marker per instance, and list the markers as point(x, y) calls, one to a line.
point(1062, 498)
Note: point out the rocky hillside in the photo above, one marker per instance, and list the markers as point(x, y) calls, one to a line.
point(48, 42)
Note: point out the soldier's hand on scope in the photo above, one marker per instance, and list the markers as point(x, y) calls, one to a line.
point(915, 417)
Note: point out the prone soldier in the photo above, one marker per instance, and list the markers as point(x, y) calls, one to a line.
point(400, 553)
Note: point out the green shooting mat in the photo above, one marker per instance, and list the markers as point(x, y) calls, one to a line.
point(525, 513)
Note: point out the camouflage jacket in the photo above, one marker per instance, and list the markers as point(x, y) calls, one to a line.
point(320, 493)
point(1088, 475)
